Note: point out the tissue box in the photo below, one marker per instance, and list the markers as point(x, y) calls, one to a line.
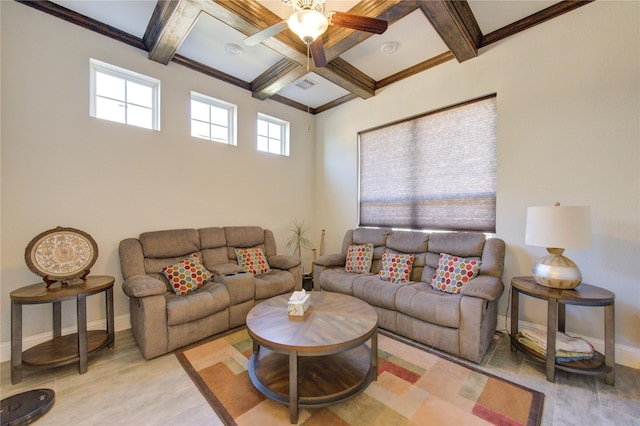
point(297, 308)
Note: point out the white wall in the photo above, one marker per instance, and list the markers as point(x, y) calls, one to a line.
point(61, 167)
point(568, 96)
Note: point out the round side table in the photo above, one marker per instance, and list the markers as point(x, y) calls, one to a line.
point(65, 349)
point(557, 299)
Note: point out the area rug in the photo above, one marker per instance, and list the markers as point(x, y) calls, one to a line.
point(414, 387)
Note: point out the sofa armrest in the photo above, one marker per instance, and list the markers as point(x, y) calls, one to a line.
point(485, 287)
point(143, 286)
point(225, 269)
point(283, 261)
point(333, 259)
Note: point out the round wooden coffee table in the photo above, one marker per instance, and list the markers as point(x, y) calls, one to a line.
point(324, 351)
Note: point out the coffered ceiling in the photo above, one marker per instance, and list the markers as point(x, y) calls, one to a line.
point(207, 36)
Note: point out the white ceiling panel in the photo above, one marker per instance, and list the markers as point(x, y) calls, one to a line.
point(130, 16)
point(495, 14)
point(323, 92)
point(413, 47)
point(209, 43)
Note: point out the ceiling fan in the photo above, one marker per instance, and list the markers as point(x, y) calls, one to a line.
point(309, 22)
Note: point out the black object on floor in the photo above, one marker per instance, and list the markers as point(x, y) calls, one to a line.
point(307, 282)
point(26, 407)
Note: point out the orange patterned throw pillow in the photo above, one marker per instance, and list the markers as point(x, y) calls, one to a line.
point(453, 272)
point(396, 268)
point(187, 275)
point(359, 258)
point(253, 260)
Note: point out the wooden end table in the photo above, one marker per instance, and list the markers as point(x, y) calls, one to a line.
point(65, 349)
point(557, 299)
point(317, 359)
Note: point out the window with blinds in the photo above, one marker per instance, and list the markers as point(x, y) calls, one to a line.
point(436, 171)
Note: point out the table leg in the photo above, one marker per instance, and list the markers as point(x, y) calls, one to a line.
point(515, 307)
point(57, 319)
point(609, 345)
point(16, 343)
point(561, 317)
point(110, 317)
point(293, 386)
point(552, 323)
point(374, 354)
point(82, 332)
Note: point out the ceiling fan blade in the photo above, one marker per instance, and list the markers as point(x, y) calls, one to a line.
point(357, 22)
point(317, 53)
point(262, 35)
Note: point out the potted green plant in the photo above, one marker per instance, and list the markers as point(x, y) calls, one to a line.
point(299, 241)
point(297, 237)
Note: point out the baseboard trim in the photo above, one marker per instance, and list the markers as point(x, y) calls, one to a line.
point(625, 355)
point(121, 322)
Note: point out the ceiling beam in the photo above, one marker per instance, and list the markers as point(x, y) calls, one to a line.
point(204, 69)
point(416, 69)
point(169, 26)
point(279, 76)
point(345, 75)
point(456, 25)
point(533, 20)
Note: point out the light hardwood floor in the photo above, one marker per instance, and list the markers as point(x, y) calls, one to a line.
point(121, 388)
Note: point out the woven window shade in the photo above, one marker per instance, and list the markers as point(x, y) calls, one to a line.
point(436, 171)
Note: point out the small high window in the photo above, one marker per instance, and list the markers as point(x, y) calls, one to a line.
point(273, 135)
point(213, 119)
point(124, 96)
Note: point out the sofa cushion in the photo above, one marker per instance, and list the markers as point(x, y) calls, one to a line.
point(420, 301)
point(359, 258)
point(244, 236)
point(207, 300)
point(376, 292)
point(187, 275)
point(274, 283)
point(212, 237)
point(253, 260)
point(338, 280)
point(171, 243)
point(395, 267)
point(377, 237)
point(465, 244)
point(453, 272)
point(213, 246)
point(408, 241)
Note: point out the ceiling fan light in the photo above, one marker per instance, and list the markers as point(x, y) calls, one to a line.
point(308, 25)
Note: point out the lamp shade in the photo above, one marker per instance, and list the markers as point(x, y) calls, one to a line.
point(559, 226)
point(308, 24)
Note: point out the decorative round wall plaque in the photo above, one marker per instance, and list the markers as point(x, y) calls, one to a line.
point(61, 254)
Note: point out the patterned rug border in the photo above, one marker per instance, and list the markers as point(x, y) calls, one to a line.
point(537, 404)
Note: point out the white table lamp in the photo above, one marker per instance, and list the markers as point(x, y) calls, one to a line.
point(557, 228)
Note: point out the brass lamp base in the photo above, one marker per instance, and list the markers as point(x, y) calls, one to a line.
point(557, 271)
